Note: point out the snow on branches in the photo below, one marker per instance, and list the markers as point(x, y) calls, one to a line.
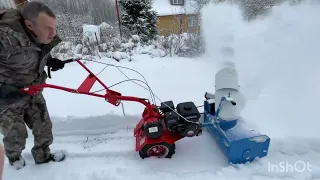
point(138, 18)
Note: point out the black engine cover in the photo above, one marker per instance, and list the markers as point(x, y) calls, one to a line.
point(164, 106)
point(189, 111)
point(171, 120)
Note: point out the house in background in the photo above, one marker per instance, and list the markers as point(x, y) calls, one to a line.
point(176, 17)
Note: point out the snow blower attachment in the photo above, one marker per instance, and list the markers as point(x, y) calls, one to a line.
point(238, 143)
point(159, 127)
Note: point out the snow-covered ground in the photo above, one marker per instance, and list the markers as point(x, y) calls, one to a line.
point(277, 59)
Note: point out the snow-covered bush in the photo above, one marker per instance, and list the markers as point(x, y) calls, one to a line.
point(185, 45)
point(107, 31)
point(70, 25)
point(110, 40)
point(103, 40)
point(91, 39)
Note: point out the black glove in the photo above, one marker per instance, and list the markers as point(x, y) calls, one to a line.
point(9, 94)
point(55, 64)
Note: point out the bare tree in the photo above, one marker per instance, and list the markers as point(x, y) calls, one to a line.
point(73, 13)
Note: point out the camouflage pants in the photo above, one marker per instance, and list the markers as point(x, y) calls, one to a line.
point(30, 111)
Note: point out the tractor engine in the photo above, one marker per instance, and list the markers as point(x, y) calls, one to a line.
point(184, 119)
point(157, 133)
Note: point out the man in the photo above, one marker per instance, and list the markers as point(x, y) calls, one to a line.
point(26, 39)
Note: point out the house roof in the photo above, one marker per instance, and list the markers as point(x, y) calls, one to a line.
point(164, 8)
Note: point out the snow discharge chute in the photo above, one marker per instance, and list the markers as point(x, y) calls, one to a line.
point(223, 121)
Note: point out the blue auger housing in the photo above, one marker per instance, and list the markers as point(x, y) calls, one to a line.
point(238, 143)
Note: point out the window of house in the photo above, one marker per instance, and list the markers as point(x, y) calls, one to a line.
point(192, 21)
point(177, 2)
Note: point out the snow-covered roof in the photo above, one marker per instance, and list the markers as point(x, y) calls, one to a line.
point(164, 8)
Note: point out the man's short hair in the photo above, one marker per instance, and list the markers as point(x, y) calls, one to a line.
point(32, 9)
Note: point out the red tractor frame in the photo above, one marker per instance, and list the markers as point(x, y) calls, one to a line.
point(161, 145)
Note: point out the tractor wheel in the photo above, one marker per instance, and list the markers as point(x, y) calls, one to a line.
point(160, 150)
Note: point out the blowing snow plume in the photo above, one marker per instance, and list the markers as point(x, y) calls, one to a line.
point(278, 61)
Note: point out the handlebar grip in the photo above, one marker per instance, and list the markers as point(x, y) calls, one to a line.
point(68, 61)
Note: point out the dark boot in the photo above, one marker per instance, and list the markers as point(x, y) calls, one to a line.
point(17, 163)
point(54, 157)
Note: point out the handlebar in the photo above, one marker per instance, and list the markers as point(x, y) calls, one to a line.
point(68, 61)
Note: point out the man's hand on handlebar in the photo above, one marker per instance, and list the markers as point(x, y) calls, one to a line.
point(56, 64)
point(9, 94)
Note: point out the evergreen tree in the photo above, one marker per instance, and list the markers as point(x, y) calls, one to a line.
point(138, 18)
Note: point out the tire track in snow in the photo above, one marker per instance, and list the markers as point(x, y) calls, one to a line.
point(92, 138)
point(114, 157)
point(94, 125)
point(111, 154)
point(118, 143)
point(98, 145)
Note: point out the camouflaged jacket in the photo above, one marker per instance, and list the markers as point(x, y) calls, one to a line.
point(22, 59)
